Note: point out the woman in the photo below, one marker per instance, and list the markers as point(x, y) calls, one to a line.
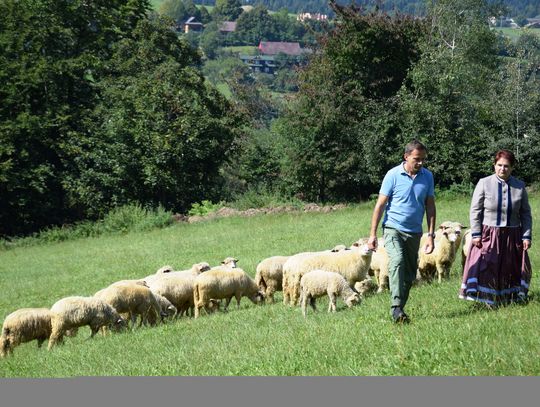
point(497, 270)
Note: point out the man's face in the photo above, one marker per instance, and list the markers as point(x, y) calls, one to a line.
point(414, 160)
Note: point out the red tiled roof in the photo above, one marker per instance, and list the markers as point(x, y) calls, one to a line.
point(273, 48)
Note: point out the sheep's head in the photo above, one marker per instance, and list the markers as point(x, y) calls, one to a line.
point(118, 324)
point(165, 269)
point(449, 232)
point(230, 262)
point(353, 299)
point(339, 248)
point(362, 248)
point(201, 267)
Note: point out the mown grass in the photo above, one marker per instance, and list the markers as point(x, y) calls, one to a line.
point(447, 336)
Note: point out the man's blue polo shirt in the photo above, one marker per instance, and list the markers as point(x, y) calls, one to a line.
point(407, 197)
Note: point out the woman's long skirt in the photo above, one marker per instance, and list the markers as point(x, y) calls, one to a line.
point(500, 271)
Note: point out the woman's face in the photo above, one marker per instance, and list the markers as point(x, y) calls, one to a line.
point(503, 169)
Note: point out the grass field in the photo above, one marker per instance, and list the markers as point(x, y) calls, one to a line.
point(515, 33)
point(447, 336)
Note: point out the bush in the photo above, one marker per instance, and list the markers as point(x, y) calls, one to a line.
point(203, 208)
point(262, 198)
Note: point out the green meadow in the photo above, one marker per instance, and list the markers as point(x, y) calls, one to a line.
point(447, 336)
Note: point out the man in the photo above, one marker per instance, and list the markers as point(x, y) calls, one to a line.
point(407, 192)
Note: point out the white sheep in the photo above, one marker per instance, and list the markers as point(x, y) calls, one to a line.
point(222, 284)
point(379, 266)
point(440, 260)
point(131, 299)
point(365, 287)
point(290, 267)
point(458, 228)
point(25, 325)
point(467, 239)
point(195, 269)
point(74, 312)
point(352, 264)
point(269, 276)
point(229, 263)
point(318, 283)
point(178, 289)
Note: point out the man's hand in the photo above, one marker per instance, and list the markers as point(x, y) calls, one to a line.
point(429, 246)
point(372, 243)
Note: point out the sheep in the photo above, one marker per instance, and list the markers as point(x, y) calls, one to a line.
point(269, 276)
point(222, 284)
point(76, 311)
point(25, 325)
point(458, 227)
point(195, 269)
point(440, 260)
point(167, 309)
point(467, 239)
point(317, 283)
point(178, 289)
point(365, 287)
point(229, 263)
point(352, 264)
point(132, 299)
point(379, 267)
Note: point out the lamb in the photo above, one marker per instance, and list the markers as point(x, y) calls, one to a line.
point(269, 276)
point(74, 312)
point(317, 283)
point(352, 264)
point(291, 265)
point(222, 284)
point(25, 325)
point(440, 260)
point(132, 299)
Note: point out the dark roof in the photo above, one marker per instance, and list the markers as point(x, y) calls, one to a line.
point(272, 48)
point(228, 26)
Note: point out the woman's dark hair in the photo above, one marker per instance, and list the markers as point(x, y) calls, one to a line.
point(506, 154)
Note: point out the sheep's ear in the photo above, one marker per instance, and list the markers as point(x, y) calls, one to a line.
point(356, 244)
point(463, 227)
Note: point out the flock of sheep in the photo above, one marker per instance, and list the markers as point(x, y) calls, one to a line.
point(339, 272)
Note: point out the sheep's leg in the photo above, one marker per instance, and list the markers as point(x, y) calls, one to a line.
point(94, 330)
point(312, 303)
point(238, 298)
point(40, 342)
point(332, 302)
point(270, 290)
point(227, 302)
point(304, 303)
point(440, 272)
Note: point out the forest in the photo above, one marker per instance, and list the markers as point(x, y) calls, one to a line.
point(107, 105)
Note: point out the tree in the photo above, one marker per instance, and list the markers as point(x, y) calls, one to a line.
point(444, 100)
point(340, 126)
point(52, 54)
point(255, 26)
point(227, 10)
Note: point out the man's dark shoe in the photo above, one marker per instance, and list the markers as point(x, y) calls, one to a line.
point(399, 316)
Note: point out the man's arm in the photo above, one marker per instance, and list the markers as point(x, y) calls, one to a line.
point(431, 215)
point(382, 200)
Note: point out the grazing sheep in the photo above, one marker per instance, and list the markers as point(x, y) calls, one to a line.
point(74, 312)
point(365, 287)
point(440, 260)
point(318, 283)
point(195, 270)
point(221, 284)
point(132, 299)
point(167, 309)
point(25, 325)
point(178, 289)
point(269, 276)
point(352, 264)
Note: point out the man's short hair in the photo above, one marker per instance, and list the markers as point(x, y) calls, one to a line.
point(414, 145)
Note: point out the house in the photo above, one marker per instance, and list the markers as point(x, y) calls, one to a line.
point(259, 63)
point(192, 25)
point(309, 16)
point(274, 48)
point(533, 23)
point(227, 27)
